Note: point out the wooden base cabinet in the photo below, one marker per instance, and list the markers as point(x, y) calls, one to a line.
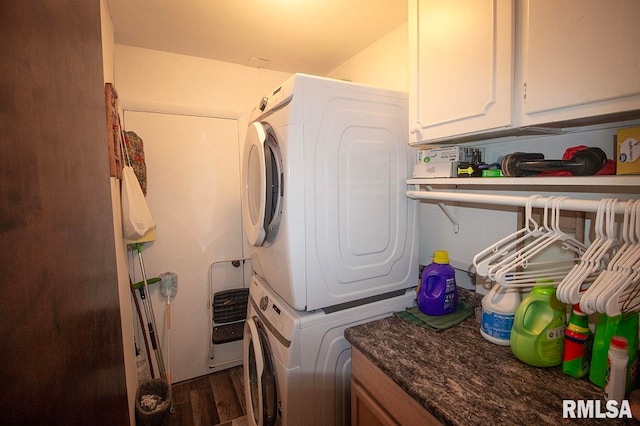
point(378, 400)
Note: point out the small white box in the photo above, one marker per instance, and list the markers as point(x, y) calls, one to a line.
point(439, 155)
point(435, 170)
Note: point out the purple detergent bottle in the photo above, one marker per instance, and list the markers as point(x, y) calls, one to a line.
point(438, 294)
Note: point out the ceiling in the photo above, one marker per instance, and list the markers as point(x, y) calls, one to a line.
point(310, 36)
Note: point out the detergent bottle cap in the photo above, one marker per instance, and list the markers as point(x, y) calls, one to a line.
point(441, 257)
point(577, 310)
point(619, 342)
point(546, 290)
point(578, 322)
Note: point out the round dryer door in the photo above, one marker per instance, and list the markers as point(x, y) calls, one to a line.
point(261, 184)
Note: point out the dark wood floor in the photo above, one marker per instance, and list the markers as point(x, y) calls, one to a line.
point(215, 399)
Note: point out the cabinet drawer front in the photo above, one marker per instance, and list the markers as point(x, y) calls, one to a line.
point(392, 399)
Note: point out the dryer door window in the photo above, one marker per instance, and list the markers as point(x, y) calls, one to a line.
point(261, 184)
point(260, 375)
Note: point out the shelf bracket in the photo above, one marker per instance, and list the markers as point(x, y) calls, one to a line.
point(447, 212)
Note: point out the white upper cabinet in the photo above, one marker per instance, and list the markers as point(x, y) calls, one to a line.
point(461, 67)
point(488, 68)
point(580, 58)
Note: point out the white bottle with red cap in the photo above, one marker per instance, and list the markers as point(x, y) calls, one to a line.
point(616, 369)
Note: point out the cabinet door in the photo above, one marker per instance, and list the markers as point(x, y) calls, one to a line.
point(377, 400)
point(461, 67)
point(365, 411)
point(581, 58)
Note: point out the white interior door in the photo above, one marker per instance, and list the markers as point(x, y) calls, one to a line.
point(193, 192)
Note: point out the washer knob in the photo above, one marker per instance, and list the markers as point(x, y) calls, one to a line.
point(263, 103)
point(264, 302)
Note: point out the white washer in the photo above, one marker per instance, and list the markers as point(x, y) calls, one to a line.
point(297, 365)
point(324, 175)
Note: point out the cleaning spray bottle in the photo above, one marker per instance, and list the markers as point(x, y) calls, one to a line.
point(438, 294)
point(625, 325)
point(578, 343)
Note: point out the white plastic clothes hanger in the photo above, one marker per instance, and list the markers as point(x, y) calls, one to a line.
point(632, 300)
point(594, 259)
point(508, 245)
point(608, 286)
point(626, 294)
point(539, 235)
point(631, 294)
point(514, 273)
point(522, 272)
point(610, 282)
point(543, 273)
point(566, 286)
point(631, 291)
point(621, 294)
point(519, 257)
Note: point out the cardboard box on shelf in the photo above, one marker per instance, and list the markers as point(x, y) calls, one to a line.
point(435, 170)
point(628, 151)
point(450, 153)
point(442, 162)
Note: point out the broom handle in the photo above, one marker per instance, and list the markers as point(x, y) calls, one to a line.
point(149, 310)
point(168, 340)
point(172, 408)
point(144, 335)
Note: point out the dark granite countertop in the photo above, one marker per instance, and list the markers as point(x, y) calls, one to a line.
point(462, 379)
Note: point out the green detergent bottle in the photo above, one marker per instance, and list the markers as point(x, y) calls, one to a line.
point(537, 337)
point(625, 325)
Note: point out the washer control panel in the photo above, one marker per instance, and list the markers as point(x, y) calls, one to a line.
point(275, 315)
point(278, 97)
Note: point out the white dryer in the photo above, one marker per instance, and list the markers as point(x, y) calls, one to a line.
point(297, 365)
point(324, 172)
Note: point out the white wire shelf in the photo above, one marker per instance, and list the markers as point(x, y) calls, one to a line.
point(575, 181)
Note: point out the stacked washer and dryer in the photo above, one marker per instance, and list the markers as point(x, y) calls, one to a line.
point(332, 236)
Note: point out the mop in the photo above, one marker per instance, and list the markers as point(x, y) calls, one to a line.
point(168, 289)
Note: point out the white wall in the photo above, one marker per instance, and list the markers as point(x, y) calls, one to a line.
point(382, 64)
point(188, 88)
point(154, 77)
